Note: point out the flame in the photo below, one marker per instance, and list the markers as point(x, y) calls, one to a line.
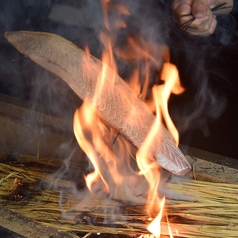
point(81, 124)
point(154, 226)
point(172, 84)
point(148, 168)
point(90, 131)
point(95, 138)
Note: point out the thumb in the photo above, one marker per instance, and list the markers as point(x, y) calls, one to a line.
point(199, 8)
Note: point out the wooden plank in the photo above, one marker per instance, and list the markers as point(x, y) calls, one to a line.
point(207, 166)
point(34, 133)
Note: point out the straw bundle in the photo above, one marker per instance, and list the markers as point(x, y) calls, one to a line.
point(201, 209)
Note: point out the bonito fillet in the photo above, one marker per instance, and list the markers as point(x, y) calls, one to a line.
point(117, 104)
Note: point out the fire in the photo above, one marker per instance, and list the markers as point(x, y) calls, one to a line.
point(154, 226)
point(172, 84)
point(96, 139)
point(147, 167)
point(86, 117)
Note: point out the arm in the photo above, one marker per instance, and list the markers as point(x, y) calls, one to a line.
point(203, 19)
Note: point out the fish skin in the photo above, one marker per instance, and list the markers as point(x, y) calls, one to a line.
point(117, 104)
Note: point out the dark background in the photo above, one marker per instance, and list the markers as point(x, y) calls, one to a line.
point(206, 114)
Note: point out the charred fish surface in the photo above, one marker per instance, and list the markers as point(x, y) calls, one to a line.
point(117, 104)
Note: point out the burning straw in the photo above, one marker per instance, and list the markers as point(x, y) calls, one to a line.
point(201, 209)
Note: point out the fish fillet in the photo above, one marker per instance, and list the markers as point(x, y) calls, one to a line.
point(117, 104)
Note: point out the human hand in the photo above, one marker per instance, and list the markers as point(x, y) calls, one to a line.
point(197, 16)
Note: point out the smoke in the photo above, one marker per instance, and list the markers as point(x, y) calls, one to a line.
point(82, 21)
point(147, 22)
point(203, 100)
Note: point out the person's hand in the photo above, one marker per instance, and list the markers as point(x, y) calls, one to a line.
point(196, 16)
point(196, 12)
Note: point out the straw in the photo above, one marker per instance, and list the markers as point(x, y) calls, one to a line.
point(195, 208)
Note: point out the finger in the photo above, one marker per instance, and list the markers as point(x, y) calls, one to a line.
point(202, 23)
point(185, 22)
point(199, 8)
point(207, 29)
point(181, 7)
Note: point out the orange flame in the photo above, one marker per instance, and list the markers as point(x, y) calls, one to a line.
point(95, 138)
point(154, 226)
point(90, 131)
point(83, 119)
point(150, 168)
point(172, 85)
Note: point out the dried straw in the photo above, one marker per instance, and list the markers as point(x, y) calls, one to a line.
point(202, 209)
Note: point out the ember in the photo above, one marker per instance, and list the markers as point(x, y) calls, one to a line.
point(17, 193)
